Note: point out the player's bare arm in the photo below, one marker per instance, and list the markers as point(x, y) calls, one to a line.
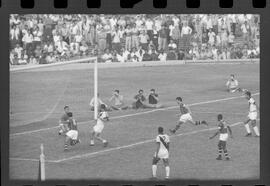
point(158, 146)
point(230, 131)
point(214, 135)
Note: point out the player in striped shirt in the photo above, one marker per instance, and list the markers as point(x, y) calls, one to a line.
point(252, 115)
point(98, 128)
point(72, 133)
point(223, 130)
point(162, 152)
point(63, 122)
point(185, 116)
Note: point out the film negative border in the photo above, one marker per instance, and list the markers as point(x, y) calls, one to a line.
point(145, 6)
point(159, 4)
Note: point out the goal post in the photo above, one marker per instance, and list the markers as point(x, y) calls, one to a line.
point(96, 89)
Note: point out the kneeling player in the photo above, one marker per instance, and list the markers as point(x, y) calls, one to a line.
point(252, 115)
point(185, 116)
point(223, 129)
point(162, 152)
point(72, 133)
point(97, 129)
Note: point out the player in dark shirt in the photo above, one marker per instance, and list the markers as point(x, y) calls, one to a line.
point(63, 122)
point(153, 99)
point(223, 130)
point(72, 133)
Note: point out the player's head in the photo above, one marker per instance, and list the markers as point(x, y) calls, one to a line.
point(179, 100)
point(160, 130)
point(66, 109)
point(116, 92)
point(153, 91)
point(232, 76)
point(70, 114)
point(102, 107)
point(219, 117)
point(141, 91)
point(248, 94)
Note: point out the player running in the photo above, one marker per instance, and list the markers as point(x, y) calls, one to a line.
point(223, 129)
point(63, 122)
point(185, 116)
point(97, 129)
point(252, 115)
point(162, 152)
point(72, 133)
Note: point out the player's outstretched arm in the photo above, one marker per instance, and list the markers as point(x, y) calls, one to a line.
point(214, 135)
point(230, 131)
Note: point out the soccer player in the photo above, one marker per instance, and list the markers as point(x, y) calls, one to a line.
point(153, 99)
point(97, 129)
point(252, 116)
point(185, 116)
point(63, 122)
point(162, 152)
point(72, 133)
point(232, 84)
point(223, 129)
point(118, 101)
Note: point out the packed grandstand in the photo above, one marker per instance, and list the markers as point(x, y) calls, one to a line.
point(50, 38)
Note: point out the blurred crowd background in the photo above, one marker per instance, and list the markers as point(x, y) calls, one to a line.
point(51, 38)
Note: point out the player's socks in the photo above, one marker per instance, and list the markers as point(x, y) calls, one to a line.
point(105, 143)
point(154, 170)
point(219, 154)
point(92, 142)
point(66, 147)
point(247, 128)
point(226, 154)
point(248, 135)
point(256, 130)
point(167, 169)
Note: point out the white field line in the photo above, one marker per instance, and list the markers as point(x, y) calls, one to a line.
point(92, 154)
point(134, 114)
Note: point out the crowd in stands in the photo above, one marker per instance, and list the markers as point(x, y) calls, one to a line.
point(49, 38)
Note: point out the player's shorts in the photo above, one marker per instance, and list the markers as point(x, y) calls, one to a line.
point(73, 134)
point(252, 115)
point(185, 117)
point(98, 128)
point(162, 154)
point(222, 144)
point(223, 137)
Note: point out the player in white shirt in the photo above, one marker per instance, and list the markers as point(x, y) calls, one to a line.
point(98, 128)
point(252, 115)
point(162, 152)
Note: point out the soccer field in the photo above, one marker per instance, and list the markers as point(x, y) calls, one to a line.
point(37, 98)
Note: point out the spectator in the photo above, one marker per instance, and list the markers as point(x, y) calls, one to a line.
point(162, 56)
point(154, 100)
point(107, 57)
point(118, 101)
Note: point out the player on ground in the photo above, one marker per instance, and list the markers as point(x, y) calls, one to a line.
point(223, 129)
point(97, 129)
point(162, 152)
point(252, 116)
point(118, 101)
point(185, 116)
point(63, 122)
point(72, 133)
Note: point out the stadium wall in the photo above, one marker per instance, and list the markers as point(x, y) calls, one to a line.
point(137, 64)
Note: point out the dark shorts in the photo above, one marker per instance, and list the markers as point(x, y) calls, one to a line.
point(222, 144)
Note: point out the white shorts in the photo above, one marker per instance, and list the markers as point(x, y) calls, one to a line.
point(98, 128)
point(185, 117)
point(162, 154)
point(252, 115)
point(223, 137)
point(73, 134)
